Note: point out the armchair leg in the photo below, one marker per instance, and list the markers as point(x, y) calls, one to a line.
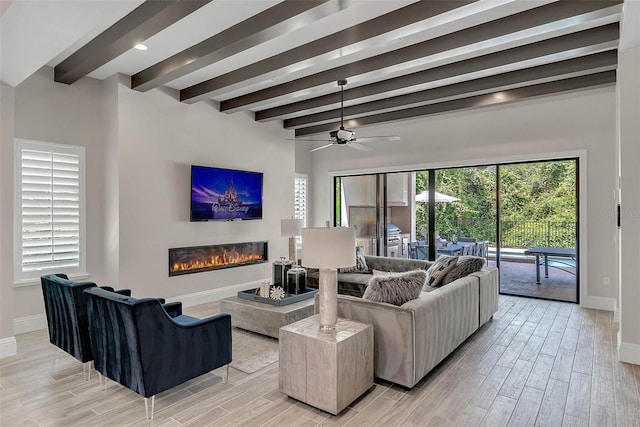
point(146, 406)
point(86, 370)
point(225, 374)
point(100, 378)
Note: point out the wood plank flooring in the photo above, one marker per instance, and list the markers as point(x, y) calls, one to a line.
point(536, 363)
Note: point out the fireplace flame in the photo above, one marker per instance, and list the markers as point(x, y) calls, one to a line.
point(216, 261)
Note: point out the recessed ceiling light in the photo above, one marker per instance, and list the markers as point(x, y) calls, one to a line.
point(140, 46)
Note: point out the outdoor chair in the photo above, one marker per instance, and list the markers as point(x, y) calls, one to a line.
point(465, 250)
point(66, 313)
point(137, 344)
point(467, 239)
point(418, 250)
point(483, 249)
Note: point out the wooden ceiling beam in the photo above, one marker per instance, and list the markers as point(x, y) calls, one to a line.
point(148, 19)
point(376, 27)
point(483, 32)
point(592, 37)
point(605, 78)
point(556, 70)
point(276, 21)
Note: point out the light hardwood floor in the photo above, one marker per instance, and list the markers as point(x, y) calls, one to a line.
point(537, 363)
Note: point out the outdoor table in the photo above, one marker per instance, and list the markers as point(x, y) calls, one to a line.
point(546, 252)
point(449, 250)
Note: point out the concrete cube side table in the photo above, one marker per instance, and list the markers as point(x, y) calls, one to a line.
point(326, 370)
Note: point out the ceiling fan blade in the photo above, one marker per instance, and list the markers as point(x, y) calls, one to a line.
point(309, 140)
point(378, 138)
point(359, 146)
point(320, 148)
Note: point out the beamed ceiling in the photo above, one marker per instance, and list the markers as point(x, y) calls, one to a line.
point(402, 59)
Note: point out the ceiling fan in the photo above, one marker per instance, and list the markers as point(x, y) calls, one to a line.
point(347, 137)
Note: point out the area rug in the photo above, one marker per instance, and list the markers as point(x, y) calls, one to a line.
point(251, 351)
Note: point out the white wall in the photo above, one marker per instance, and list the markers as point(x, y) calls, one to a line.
point(139, 148)
point(7, 96)
point(63, 114)
point(629, 112)
point(159, 138)
point(530, 129)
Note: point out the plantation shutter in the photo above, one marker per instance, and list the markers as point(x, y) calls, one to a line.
point(50, 213)
point(301, 199)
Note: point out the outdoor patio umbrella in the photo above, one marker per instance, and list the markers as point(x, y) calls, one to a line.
point(440, 197)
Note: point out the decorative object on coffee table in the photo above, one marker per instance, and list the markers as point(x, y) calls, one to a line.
point(277, 293)
point(296, 280)
point(291, 228)
point(265, 286)
point(328, 249)
point(253, 295)
point(280, 269)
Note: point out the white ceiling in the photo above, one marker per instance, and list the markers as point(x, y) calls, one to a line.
point(35, 33)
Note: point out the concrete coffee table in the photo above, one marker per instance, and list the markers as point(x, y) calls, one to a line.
point(265, 319)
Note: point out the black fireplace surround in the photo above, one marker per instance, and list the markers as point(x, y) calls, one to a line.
point(196, 259)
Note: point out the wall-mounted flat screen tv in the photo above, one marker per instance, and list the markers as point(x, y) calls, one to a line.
point(225, 194)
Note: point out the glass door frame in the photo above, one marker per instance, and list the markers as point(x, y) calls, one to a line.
point(381, 203)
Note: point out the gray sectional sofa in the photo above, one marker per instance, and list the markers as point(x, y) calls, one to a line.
point(410, 340)
point(355, 283)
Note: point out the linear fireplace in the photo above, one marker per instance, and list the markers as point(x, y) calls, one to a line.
point(196, 259)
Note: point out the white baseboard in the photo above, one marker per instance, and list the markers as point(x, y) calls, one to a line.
point(598, 303)
point(8, 347)
point(628, 352)
point(189, 300)
point(25, 324)
point(22, 325)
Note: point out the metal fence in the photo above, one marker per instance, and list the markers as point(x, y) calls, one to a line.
point(514, 234)
point(526, 234)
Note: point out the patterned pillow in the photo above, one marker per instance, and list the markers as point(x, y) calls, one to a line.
point(361, 263)
point(439, 269)
point(396, 288)
point(465, 266)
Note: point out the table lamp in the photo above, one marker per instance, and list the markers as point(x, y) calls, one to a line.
point(328, 249)
point(291, 228)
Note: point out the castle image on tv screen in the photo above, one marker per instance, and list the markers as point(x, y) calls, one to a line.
point(225, 194)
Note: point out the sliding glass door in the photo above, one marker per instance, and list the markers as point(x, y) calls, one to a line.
point(521, 218)
point(538, 224)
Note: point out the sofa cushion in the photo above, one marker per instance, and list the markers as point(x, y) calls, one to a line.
point(398, 265)
point(465, 266)
point(396, 288)
point(377, 273)
point(439, 269)
point(361, 263)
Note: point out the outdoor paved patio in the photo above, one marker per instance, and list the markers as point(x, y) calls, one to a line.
point(519, 278)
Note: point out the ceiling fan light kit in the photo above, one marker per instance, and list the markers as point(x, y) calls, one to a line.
point(344, 136)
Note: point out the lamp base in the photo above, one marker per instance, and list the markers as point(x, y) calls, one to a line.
point(292, 250)
point(328, 299)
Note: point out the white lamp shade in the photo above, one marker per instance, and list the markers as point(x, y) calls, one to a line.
point(328, 247)
point(290, 227)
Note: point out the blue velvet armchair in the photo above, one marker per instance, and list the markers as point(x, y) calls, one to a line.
point(137, 344)
point(66, 313)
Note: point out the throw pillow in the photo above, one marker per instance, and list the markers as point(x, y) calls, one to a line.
point(396, 288)
point(465, 266)
point(361, 263)
point(439, 269)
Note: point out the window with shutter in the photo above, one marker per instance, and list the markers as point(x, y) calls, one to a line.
point(50, 209)
point(301, 198)
point(300, 201)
